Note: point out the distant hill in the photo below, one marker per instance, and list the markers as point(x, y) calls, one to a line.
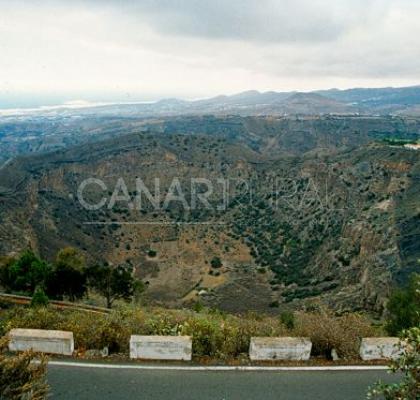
point(312, 104)
point(381, 101)
point(382, 98)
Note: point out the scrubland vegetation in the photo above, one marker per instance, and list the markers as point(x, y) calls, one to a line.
point(215, 334)
point(20, 378)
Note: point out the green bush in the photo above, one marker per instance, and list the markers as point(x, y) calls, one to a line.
point(39, 299)
point(207, 336)
point(152, 253)
point(25, 274)
point(404, 307)
point(198, 306)
point(287, 318)
point(409, 366)
point(216, 262)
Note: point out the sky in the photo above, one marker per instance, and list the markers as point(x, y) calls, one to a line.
point(56, 51)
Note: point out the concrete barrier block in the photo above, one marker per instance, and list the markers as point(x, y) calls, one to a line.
point(380, 348)
point(279, 348)
point(42, 341)
point(161, 347)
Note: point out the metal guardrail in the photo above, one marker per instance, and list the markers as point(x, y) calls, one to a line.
point(26, 300)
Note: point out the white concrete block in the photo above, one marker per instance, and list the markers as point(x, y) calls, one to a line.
point(161, 347)
point(42, 341)
point(279, 348)
point(380, 348)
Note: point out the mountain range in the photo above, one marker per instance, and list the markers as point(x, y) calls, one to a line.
point(379, 101)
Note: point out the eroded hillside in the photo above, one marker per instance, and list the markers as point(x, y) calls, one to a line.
point(313, 209)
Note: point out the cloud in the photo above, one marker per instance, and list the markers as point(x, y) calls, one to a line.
point(141, 50)
point(272, 21)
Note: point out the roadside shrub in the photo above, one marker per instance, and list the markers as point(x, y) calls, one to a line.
point(328, 332)
point(287, 318)
point(214, 334)
point(207, 336)
point(162, 323)
point(227, 336)
point(20, 379)
point(91, 331)
point(39, 299)
point(36, 318)
point(409, 366)
point(255, 325)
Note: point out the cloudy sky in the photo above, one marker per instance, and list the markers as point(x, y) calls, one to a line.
point(54, 51)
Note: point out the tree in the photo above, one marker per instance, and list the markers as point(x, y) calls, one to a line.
point(5, 264)
point(27, 272)
point(71, 257)
point(152, 253)
point(112, 283)
point(404, 307)
point(68, 277)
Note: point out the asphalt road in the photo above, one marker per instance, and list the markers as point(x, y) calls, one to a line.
point(98, 383)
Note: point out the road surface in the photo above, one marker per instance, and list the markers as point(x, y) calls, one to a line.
point(100, 383)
